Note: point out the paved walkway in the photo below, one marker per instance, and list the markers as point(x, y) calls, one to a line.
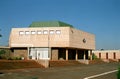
point(68, 72)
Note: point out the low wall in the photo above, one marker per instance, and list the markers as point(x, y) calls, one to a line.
point(43, 62)
point(83, 61)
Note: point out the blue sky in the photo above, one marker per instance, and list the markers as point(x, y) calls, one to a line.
point(100, 17)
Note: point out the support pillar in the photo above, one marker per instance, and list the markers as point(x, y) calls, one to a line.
point(66, 54)
point(49, 53)
point(76, 56)
point(84, 57)
point(90, 54)
point(28, 53)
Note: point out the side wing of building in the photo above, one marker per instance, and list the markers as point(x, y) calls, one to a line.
point(81, 39)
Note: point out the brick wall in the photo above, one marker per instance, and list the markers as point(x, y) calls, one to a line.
point(20, 52)
point(68, 37)
point(112, 54)
point(54, 54)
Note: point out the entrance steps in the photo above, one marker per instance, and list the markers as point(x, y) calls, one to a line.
point(113, 60)
point(96, 61)
point(60, 63)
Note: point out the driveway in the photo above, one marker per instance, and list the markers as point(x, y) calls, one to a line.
point(67, 72)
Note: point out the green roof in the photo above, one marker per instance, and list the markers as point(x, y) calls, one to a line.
point(50, 24)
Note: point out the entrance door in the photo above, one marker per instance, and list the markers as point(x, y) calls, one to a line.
point(42, 54)
point(32, 54)
point(38, 53)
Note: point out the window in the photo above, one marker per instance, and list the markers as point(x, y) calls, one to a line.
point(52, 32)
point(33, 32)
point(39, 32)
point(114, 55)
point(45, 32)
point(27, 32)
point(21, 33)
point(58, 32)
point(99, 55)
point(106, 55)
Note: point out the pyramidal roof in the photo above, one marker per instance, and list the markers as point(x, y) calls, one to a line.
point(50, 24)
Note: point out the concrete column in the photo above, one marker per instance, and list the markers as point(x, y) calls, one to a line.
point(66, 54)
point(54, 54)
point(84, 57)
point(35, 54)
point(28, 53)
point(49, 53)
point(76, 56)
point(90, 54)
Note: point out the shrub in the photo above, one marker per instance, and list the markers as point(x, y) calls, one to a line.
point(2, 54)
point(18, 58)
point(94, 56)
point(14, 58)
point(118, 74)
point(10, 58)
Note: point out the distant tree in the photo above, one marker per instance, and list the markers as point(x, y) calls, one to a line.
point(118, 73)
point(2, 54)
point(2, 51)
point(102, 49)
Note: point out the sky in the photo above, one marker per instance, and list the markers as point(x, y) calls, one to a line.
point(99, 17)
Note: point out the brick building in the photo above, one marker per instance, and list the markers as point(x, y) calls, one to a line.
point(52, 40)
point(107, 54)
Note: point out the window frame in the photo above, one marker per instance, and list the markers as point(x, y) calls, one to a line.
point(51, 32)
point(33, 32)
point(45, 32)
point(27, 32)
point(21, 32)
point(39, 32)
point(58, 32)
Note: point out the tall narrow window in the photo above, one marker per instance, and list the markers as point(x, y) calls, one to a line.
point(114, 55)
point(106, 55)
point(100, 55)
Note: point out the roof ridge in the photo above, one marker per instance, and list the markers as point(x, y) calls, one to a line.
point(50, 24)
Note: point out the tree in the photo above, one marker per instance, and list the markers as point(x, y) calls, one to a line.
point(2, 54)
point(118, 73)
point(2, 51)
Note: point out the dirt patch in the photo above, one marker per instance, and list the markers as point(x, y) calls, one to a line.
point(18, 64)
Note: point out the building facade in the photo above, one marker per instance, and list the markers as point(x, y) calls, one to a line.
point(107, 54)
point(51, 40)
